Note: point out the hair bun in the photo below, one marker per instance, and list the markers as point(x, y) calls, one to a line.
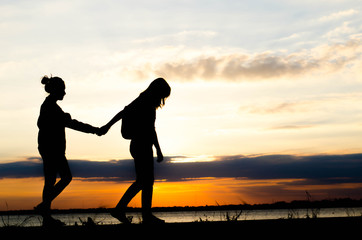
point(45, 80)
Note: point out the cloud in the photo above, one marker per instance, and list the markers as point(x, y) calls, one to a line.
point(31, 167)
point(178, 37)
point(340, 32)
point(283, 107)
point(290, 127)
point(315, 169)
point(338, 15)
point(122, 170)
point(259, 66)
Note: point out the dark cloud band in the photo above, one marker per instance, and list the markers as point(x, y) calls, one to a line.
point(326, 169)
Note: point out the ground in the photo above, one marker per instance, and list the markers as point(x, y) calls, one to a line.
point(323, 228)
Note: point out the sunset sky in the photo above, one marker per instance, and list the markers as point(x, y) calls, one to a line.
point(265, 102)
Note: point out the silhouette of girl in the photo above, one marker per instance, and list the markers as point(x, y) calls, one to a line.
point(143, 137)
point(52, 122)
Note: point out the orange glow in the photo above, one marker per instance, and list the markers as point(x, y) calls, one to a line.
point(25, 193)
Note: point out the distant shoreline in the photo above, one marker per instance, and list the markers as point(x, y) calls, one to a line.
point(335, 203)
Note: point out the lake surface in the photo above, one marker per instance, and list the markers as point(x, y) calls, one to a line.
point(184, 216)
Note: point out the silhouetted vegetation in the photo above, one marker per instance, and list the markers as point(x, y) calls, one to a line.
point(297, 204)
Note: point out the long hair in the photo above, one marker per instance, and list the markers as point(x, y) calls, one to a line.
point(158, 91)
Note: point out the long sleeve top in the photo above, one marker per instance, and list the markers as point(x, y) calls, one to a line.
point(52, 122)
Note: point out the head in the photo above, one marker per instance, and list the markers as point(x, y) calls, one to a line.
point(158, 91)
point(54, 86)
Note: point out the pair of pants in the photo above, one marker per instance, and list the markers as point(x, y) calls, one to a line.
point(54, 164)
point(142, 153)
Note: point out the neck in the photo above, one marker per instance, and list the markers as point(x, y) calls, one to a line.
point(52, 98)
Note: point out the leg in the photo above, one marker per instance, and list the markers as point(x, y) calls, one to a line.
point(52, 166)
point(119, 211)
point(147, 192)
point(65, 177)
point(143, 156)
point(128, 195)
point(145, 177)
point(49, 181)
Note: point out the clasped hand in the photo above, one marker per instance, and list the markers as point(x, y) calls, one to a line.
point(102, 131)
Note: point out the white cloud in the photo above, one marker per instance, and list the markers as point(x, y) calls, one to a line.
point(108, 51)
point(291, 37)
point(264, 65)
point(178, 37)
point(338, 15)
point(340, 32)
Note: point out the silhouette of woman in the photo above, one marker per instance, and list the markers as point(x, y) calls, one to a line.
point(51, 144)
point(142, 115)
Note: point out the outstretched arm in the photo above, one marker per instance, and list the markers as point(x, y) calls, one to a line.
point(115, 119)
point(106, 127)
point(79, 126)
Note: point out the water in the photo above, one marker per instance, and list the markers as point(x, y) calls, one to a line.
point(183, 216)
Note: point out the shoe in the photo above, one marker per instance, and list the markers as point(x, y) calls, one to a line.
point(51, 222)
point(42, 210)
point(151, 219)
point(120, 215)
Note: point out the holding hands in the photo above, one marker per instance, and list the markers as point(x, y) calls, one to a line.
point(103, 130)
